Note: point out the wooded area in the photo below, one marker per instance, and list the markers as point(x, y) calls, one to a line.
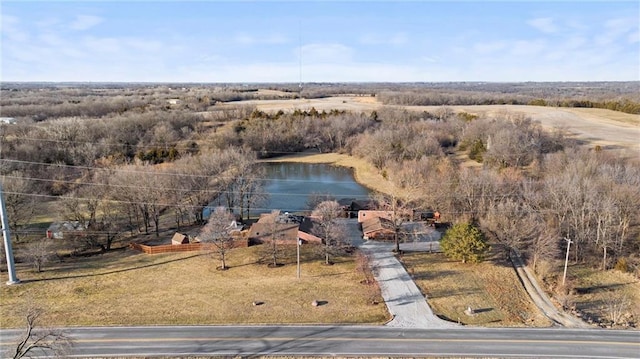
point(119, 157)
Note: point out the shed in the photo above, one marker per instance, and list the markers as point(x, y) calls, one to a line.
point(179, 238)
point(57, 229)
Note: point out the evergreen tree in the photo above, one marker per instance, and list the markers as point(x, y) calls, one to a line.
point(464, 242)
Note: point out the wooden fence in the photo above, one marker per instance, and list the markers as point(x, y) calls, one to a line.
point(167, 248)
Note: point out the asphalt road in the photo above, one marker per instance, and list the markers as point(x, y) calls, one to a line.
point(348, 341)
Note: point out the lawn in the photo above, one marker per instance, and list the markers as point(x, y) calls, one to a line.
point(492, 289)
point(126, 287)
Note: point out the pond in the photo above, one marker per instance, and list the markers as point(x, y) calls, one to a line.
point(290, 184)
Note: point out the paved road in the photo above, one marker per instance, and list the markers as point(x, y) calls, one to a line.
point(348, 341)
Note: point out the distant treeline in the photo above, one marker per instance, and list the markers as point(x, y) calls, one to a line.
point(439, 98)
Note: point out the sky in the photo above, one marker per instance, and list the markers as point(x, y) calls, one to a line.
point(319, 41)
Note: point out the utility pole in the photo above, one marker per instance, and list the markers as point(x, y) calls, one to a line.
point(7, 241)
point(298, 255)
point(566, 260)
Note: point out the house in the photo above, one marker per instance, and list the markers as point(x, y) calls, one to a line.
point(179, 238)
point(285, 228)
point(378, 228)
point(57, 229)
point(352, 206)
point(366, 215)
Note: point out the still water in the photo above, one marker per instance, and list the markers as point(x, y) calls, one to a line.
point(290, 184)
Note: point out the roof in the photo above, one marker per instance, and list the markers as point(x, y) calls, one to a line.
point(265, 231)
point(179, 238)
point(365, 215)
point(376, 224)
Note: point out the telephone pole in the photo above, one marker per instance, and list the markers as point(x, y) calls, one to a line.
point(7, 241)
point(566, 260)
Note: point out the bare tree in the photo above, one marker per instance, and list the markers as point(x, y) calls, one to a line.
point(399, 212)
point(20, 205)
point(38, 252)
point(616, 305)
point(46, 342)
point(316, 198)
point(275, 232)
point(328, 228)
point(216, 232)
point(512, 223)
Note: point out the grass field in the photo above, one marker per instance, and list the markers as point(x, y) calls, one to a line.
point(594, 291)
point(491, 288)
point(129, 288)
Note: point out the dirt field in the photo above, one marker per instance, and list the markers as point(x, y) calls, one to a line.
point(610, 129)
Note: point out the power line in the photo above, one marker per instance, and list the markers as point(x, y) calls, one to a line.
point(185, 191)
point(93, 168)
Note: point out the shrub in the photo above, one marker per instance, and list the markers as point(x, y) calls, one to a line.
point(622, 265)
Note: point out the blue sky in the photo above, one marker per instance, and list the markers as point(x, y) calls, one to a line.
point(260, 41)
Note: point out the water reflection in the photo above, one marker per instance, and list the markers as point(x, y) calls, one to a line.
point(290, 184)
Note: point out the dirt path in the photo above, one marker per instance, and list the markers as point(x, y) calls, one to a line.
point(541, 300)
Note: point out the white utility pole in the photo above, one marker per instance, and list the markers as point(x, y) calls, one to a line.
point(566, 260)
point(7, 241)
point(298, 247)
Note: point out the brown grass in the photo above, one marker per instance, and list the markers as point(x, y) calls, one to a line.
point(592, 288)
point(491, 288)
point(131, 288)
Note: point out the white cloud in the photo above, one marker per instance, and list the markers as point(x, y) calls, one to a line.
point(615, 29)
point(396, 39)
point(489, 47)
point(326, 53)
point(244, 39)
point(12, 30)
point(102, 44)
point(268, 39)
point(543, 24)
point(527, 47)
point(84, 22)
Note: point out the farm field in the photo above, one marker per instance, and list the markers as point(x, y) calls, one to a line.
point(602, 127)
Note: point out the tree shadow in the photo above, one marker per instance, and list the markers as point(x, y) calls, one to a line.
point(599, 288)
point(482, 310)
point(112, 271)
